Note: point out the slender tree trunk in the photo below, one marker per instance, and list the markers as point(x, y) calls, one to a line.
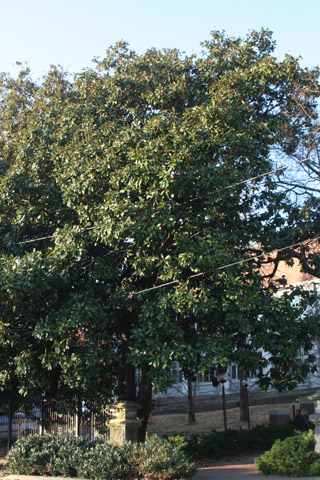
point(243, 397)
point(127, 384)
point(127, 372)
point(145, 400)
point(191, 401)
point(10, 418)
point(128, 388)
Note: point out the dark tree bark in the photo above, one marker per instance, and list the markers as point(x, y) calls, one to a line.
point(243, 397)
point(144, 399)
point(10, 418)
point(127, 372)
point(191, 401)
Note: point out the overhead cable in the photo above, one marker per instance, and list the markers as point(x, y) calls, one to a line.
point(223, 267)
point(228, 187)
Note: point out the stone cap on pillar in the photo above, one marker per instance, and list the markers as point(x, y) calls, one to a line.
point(125, 410)
point(315, 396)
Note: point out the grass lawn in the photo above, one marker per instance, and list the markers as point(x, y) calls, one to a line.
point(177, 423)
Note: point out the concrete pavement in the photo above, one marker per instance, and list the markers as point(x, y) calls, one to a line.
point(33, 477)
point(239, 469)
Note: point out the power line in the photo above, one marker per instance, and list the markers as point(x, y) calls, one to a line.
point(223, 267)
point(166, 284)
point(242, 182)
point(228, 187)
point(52, 236)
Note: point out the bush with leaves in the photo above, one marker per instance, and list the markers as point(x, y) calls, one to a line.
point(106, 461)
point(69, 456)
point(216, 445)
point(157, 459)
point(162, 459)
point(294, 456)
point(33, 455)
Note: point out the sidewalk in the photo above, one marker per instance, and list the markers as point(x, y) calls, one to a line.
point(239, 469)
point(33, 477)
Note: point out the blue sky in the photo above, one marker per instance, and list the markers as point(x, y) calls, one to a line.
point(71, 32)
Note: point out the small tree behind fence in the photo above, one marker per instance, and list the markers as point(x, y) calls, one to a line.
point(62, 418)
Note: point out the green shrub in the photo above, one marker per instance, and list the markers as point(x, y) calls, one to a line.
point(106, 462)
point(180, 442)
point(33, 455)
point(69, 456)
point(216, 445)
point(163, 459)
point(294, 456)
point(157, 459)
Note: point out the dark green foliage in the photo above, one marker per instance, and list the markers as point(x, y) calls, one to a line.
point(164, 460)
point(218, 445)
point(294, 456)
point(47, 455)
point(106, 461)
point(67, 459)
point(33, 455)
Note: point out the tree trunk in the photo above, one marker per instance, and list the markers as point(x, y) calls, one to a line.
point(128, 387)
point(10, 419)
point(127, 372)
point(243, 396)
point(145, 400)
point(191, 401)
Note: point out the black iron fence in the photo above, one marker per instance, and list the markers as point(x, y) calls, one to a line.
point(64, 419)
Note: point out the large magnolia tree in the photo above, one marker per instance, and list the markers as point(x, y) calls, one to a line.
point(130, 176)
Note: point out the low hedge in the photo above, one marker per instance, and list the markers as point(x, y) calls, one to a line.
point(160, 458)
point(293, 457)
point(47, 455)
point(218, 445)
point(157, 459)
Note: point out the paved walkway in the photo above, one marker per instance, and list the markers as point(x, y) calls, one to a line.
point(239, 469)
point(33, 477)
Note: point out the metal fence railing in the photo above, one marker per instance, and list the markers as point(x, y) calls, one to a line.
point(64, 419)
point(20, 426)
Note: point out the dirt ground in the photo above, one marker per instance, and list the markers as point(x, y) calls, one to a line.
point(208, 421)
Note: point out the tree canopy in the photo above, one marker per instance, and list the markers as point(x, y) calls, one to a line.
point(143, 171)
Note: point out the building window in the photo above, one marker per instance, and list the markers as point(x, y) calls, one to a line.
point(234, 372)
point(175, 373)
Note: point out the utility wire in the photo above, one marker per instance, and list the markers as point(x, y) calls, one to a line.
point(223, 267)
point(52, 236)
point(228, 187)
point(242, 182)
